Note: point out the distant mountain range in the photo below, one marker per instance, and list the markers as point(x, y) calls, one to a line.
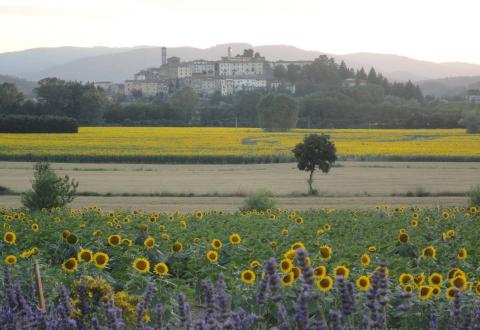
point(119, 64)
point(449, 86)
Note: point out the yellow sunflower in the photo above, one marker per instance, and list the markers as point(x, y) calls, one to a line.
point(299, 220)
point(365, 260)
point(296, 273)
point(325, 283)
point(70, 265)
point(435, 279)
point(177, 247)
point(450, 293)
point(405, 278)
point(248, 277)
point(212, 256)
point(403, 237)
point(419, 279)
point(436, 291)
point(34, 226)
point(254, 264)
point(372, 249)
point(235, 239)
point(114, 240)
point(85, 255)
point(286, 265)
point(10, 237)
point(149, 242)
point(363, 283)
point(297, 245)
point(101, 259)
point(341, 271)
point(459, 282)
point(287, 279)
point(290, 254)
point(429, 252)
point(462, 254)
point(216, 244)
point(199, 214)
point(425, 292)
point(285, 232)
point(72, 239)
point(320, 272)
point(161, 269)
point(141, 265)
point(325, 252)
point(10, 259)
point(445, 215)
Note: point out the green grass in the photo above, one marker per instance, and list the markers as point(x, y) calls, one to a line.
point(175, 159)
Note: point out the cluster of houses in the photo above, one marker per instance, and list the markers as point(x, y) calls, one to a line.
point(227, 76)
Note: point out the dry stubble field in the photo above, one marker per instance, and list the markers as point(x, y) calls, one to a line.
point(352, 184)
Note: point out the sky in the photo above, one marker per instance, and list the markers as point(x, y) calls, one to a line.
point(439, 31)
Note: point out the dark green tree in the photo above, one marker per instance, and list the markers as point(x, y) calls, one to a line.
point(48, 189)
point(185, 102)
point(315, 151)
point(277, 112)
point(10, 98)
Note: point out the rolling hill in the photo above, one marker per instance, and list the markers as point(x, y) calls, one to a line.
point(118, 64)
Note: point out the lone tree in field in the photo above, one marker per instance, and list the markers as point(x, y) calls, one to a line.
point(48, 189)
point(315, 151)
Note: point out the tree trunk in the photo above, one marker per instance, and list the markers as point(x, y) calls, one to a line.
point(310, 183)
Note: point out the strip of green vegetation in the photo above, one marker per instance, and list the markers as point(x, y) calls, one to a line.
point(205, 159)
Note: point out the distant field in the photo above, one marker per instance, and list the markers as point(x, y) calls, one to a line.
point(230, 145)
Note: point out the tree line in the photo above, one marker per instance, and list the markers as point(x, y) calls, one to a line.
point(327, 95)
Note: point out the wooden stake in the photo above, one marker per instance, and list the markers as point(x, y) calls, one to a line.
point(38, 284)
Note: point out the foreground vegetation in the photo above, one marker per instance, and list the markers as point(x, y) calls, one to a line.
point(228, 145)
point(427, 257)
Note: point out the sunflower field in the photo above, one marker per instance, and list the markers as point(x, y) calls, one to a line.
point(230, 145)
point(404, 268)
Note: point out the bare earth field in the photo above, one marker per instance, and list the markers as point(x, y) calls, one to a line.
point(352, 184)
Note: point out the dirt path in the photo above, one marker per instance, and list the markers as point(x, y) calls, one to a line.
point(233, 203)
point(350, 179)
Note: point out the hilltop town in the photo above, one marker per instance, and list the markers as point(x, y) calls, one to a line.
point(243, 72)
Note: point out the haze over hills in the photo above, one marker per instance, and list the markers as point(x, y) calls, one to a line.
point(24, 86)
point(118, 64)
point(451, 86)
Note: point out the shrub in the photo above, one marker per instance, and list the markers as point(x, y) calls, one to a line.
point(48, 189)
point(475, 196)
point(37, 124)
point(260, 200)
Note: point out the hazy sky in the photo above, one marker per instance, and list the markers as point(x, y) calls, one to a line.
point(437, 30)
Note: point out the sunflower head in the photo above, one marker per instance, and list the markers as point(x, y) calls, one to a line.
point(405, 278)
point(325, 252)
point(161, 269)
point(248, 277)
point(149, 242)
point(320, 272)
point(286, 265)
point(10, 237)
point(403, 237)
point(70, 265)
point(177, 247)
point(34, 226)
point(10, 259)
point(212, 256)
point(462, 254)
point(429, 252)
point(235, 239)
point(425, 292)
point(216, 244)
point(435, 279)
point(287, 279)
point(85, 255)
point(72, 239)
point(114, 240)
point(341, 271)
point(141, 265)
point(363, 283)
point(254, 264)
point(101, 259)
point(365, 260)
point(325, 283)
